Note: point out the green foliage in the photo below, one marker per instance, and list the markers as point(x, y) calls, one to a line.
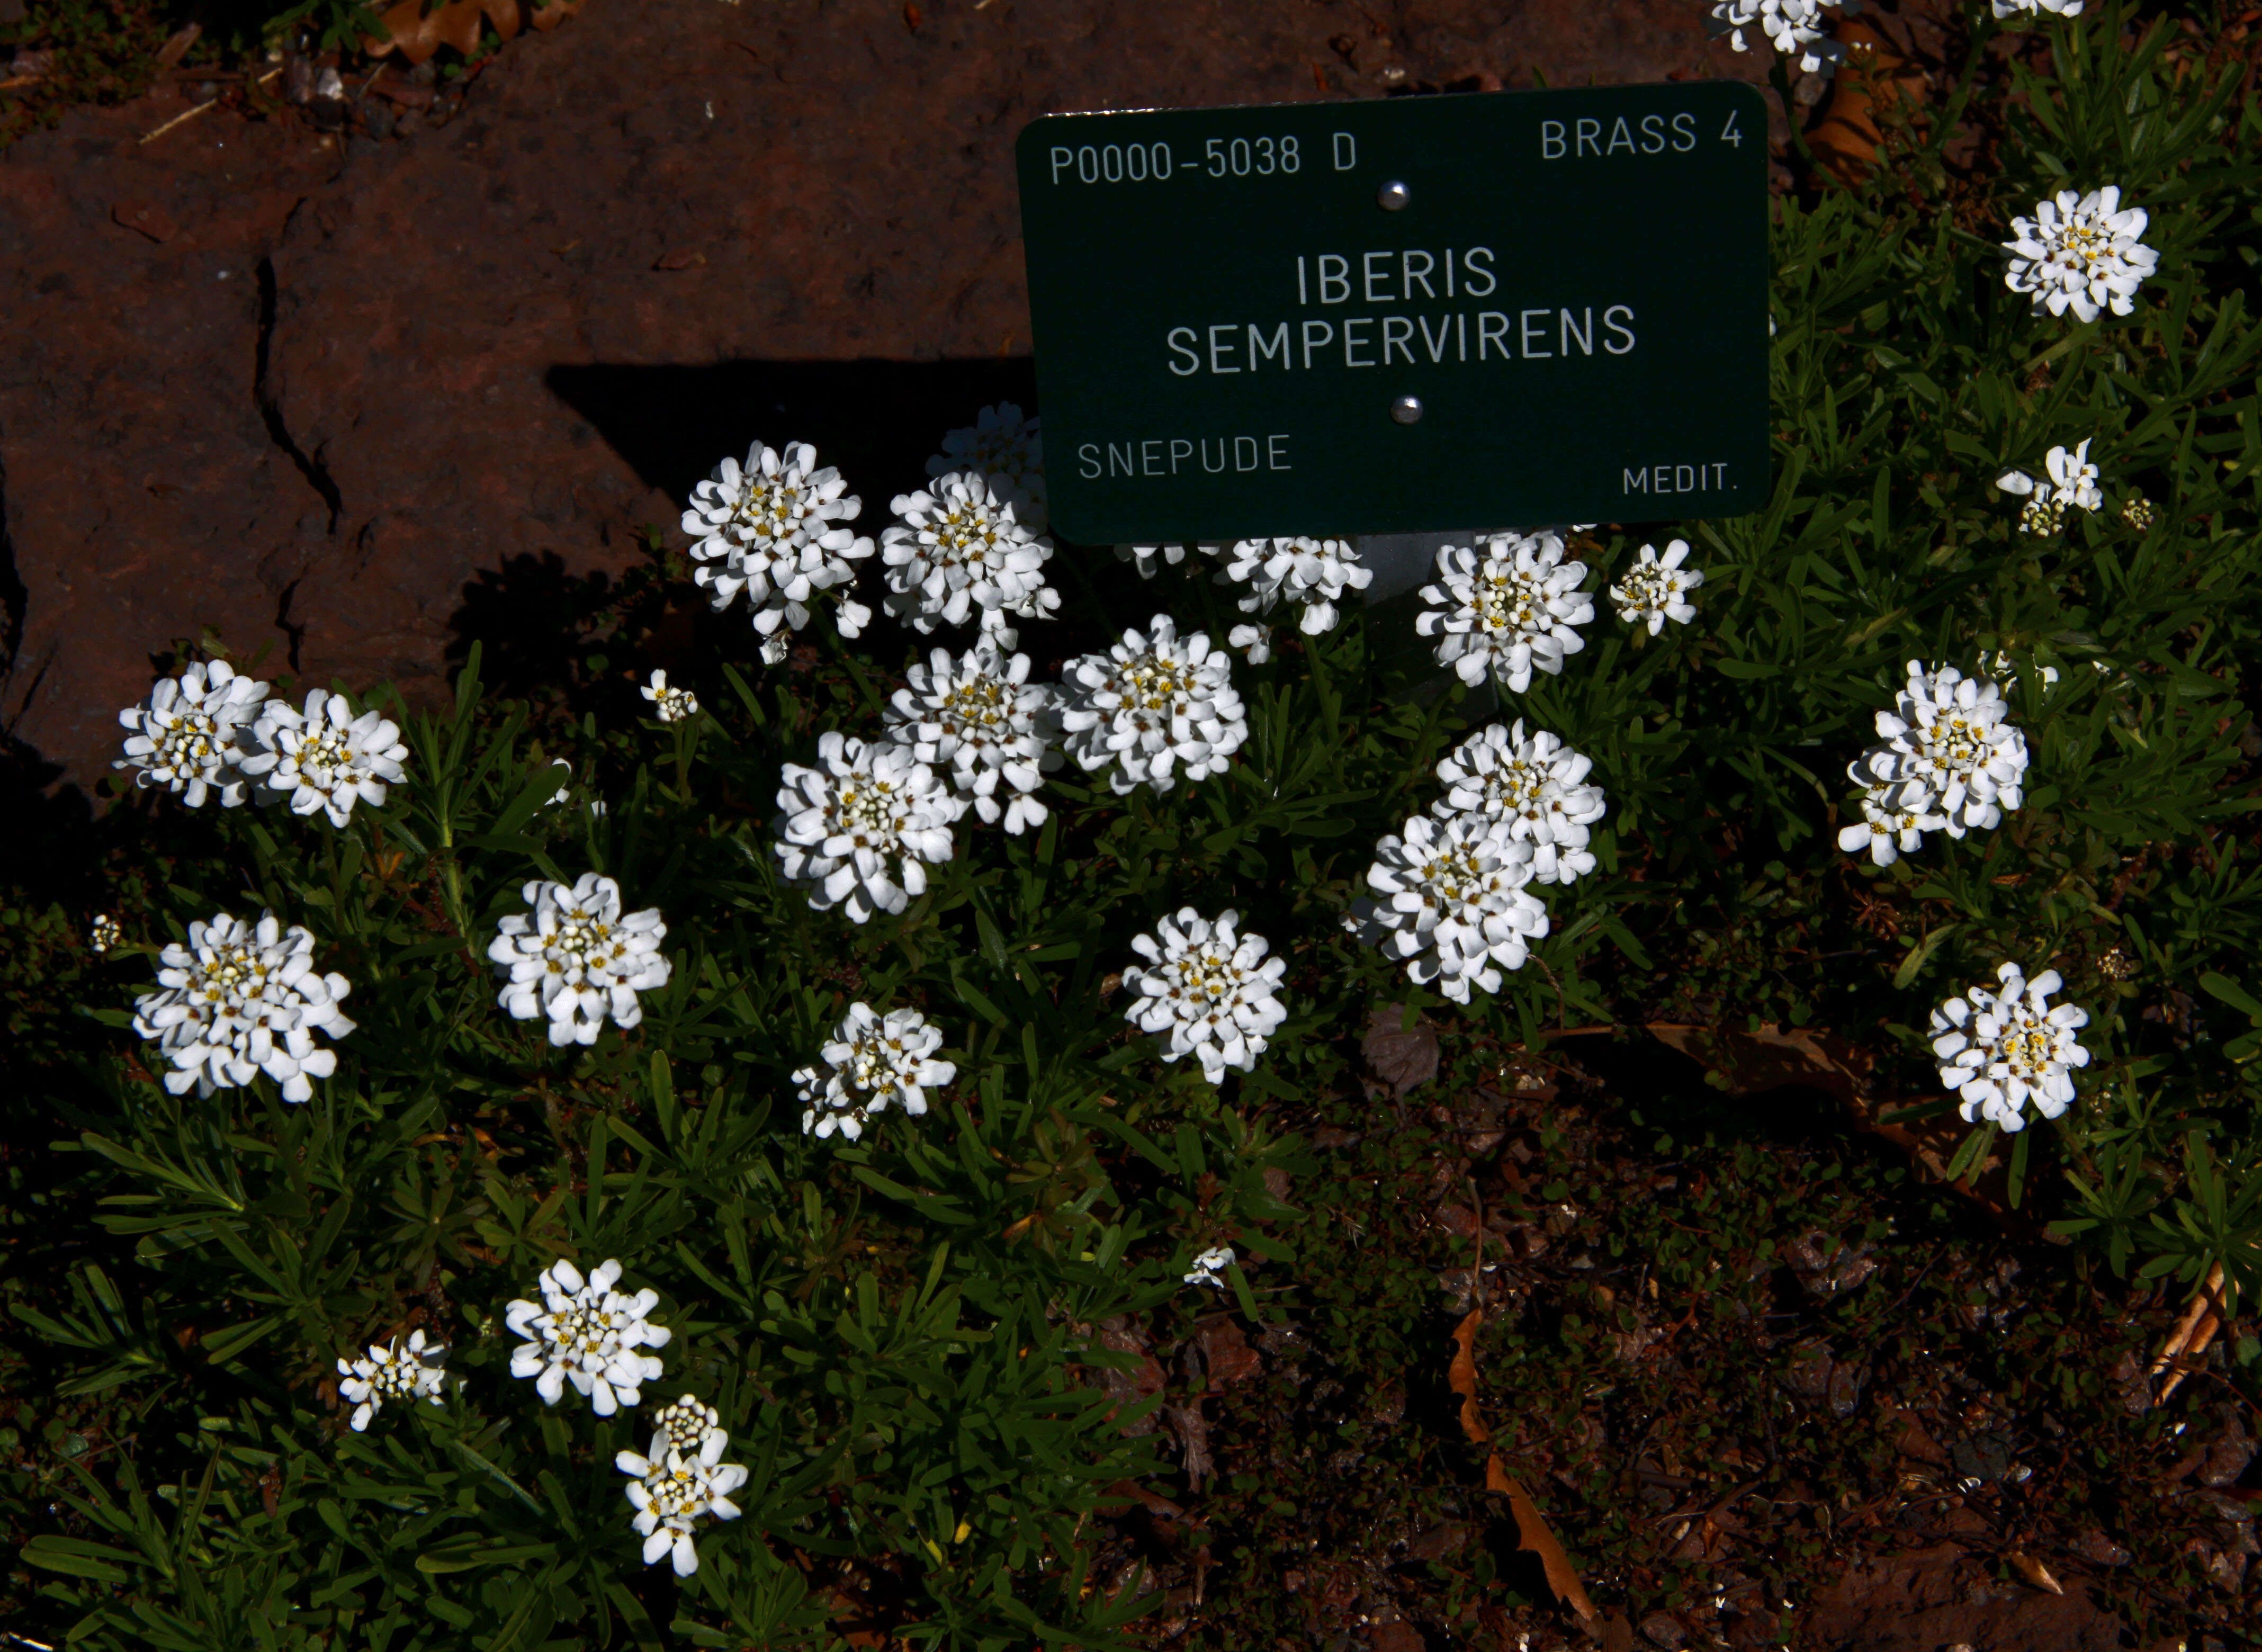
point(903, 1333)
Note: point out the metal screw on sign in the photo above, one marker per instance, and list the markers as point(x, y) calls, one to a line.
point(1394, 196)
point(1406, 409)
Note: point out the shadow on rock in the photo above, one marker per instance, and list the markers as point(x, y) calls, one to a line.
point(535, 621)
point(877, 421)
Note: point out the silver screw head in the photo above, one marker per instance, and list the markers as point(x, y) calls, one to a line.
point(1394, 196)
point(1406, 409)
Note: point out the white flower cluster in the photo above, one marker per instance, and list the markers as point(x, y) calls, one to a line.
point(392, 1372)
point(1007, 450)
point(587, 1333)
point(211, 730)
point(1150, 560)
point(959, 551)
point(1450, 899)
point(1155, 706)
point(186, 737)
point(1506, 606)
point(1310, 574)
point(1948, 761)
point(1534, 787)
point(324, 759)
point(872, 1062)
point(2000, 1050)
point(577, 959)
point(1794, 26)
point(863, 825)
point(979, 720)
point(769, 528)
point(2081, 252)
point(1206, 990)
point(680, 1480)
point(103, 932)
point(2072, 481)
point(2030, 9)
point(1209, 1267)
point(1656, 588)
point(238, 1000)
point(670, 705)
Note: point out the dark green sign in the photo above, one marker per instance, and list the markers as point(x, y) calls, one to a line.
point(1450, 313)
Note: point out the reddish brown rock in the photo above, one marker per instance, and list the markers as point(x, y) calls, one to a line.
point(356, 374)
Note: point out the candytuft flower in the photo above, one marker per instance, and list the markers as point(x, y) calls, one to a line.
point(2001, 1049)
point(103, 932)
point(2137, 513)
point(1310, 574)
point(978, 719)
point(1450, 899)
point(674, 1489)
point(587, 1333)
point(577, 959)
point(1533, 786)
point(1209, 1267)
point(2030, 10)
point(958, 553)
point(1793, 27)
point(2072, 481)
point(1254, 641)
point(1894, 820)
point(872, 1062)
point(2080, 252)
point(1006, 450)
point(770, 528)
point(239, 999)
point(1506, 606)
point(863, 825)
point(392, 1372)
point(1206, 990)
point(1946, 748)
point(1656, 588)
point(187, 736)
point(684, 1423)
point(1152, 558)
point(670, 705)
point(324, 759)
point(1155, 706)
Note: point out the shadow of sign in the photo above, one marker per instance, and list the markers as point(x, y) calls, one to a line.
point(877, 421)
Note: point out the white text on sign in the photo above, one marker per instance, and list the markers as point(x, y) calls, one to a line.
point(1174, 455)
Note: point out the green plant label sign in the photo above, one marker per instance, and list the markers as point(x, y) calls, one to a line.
point(1423, 314)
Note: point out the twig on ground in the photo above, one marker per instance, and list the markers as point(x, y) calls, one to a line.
point(190, 115)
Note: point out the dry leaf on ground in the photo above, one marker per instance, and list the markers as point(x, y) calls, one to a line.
point(418, 28)
point(2035, 1572)
point(1461, 1375)
point(2193, 1334)
point(1532, 1533)
point(1400, 1056)
point(1847, 138)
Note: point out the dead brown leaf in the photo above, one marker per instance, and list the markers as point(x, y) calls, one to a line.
point(176, 45)
point(2193, 1334)
point(1192, 1430)
point(2035, 1572)
point(1226, 1353)
point(1847, 138)
point(1461, 1376)
point(1534, 1535)
point(1400, 1056)
point(418, 28)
